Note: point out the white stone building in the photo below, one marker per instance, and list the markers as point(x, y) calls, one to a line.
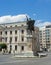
point(45, 37)
point(16, 35)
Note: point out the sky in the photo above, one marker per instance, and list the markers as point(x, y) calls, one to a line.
point(39, 10)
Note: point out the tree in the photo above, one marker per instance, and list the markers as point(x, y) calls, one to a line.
point(3, 46)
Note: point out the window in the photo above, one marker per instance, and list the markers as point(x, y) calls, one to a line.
point(22, 48)
point(22, 31)
point(10, 39)
point(1, 33)
point(15, 31)
point(15, 47)
point(5, 39)
point(15, 25)
point(22, 39)
point(15, 39)
point(10, 47)
point(10, 26)
point(47, 35)
point(10, 32)
point(22, 25)
point(6, 32)
point(49, 26)
point(47, 31)
point(6, 26)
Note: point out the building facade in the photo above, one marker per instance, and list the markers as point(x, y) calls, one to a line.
point(45, 37)
point(16, 37)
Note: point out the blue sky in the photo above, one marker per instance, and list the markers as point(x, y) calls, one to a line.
point(36, 9)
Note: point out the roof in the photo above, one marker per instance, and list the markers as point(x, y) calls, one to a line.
point(13, 22)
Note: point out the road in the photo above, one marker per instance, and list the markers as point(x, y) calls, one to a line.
point(10, 60)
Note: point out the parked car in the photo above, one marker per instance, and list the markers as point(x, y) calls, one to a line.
point(42, 54)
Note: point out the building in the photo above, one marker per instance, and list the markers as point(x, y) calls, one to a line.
point(17, 38)
point(45, 37)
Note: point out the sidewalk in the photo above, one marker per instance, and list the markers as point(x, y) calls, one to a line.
point(24, 55)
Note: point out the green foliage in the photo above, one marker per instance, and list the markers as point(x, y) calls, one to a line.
point(30, 24)
point(3, 46)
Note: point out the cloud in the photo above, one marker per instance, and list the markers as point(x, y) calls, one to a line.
point(16, 18)
point(20, 18)
point(40, 23)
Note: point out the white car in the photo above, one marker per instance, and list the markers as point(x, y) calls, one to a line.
point(42, 54)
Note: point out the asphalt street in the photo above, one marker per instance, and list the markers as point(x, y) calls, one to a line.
point(10, 60)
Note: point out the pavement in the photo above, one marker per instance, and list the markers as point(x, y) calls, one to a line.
point(10, 60)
